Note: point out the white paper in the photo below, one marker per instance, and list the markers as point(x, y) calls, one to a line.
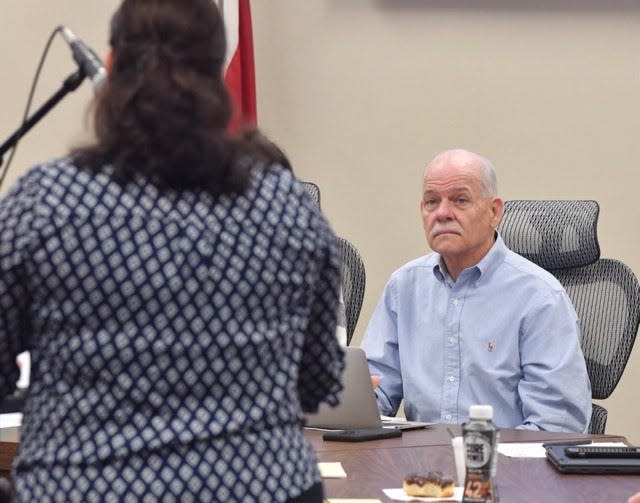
point(332, 470)
point(11, 420)
point(10, 427)
point(400, 495)
point(536, 449)
point(522, 450)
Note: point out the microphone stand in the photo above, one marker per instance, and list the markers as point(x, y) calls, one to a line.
point(13, 403)
point(70, 84)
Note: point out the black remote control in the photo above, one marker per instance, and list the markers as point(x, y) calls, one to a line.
point(602, 452)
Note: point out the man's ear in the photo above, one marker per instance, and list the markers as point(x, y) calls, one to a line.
point(497, 210)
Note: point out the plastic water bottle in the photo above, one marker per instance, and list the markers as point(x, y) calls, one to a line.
point(480, 438)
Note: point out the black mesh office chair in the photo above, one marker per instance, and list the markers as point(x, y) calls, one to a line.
point(313, 190)
point(561, 236)
point(353, 273)
point(353, 284)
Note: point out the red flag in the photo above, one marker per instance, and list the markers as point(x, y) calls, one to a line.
point(240, 71)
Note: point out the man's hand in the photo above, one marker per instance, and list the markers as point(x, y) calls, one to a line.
point(375, 380)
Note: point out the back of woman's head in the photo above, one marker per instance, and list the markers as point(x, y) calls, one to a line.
point(164, 111)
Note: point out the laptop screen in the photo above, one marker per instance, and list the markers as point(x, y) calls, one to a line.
point(357, 407)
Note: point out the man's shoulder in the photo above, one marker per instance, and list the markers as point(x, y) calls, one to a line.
point(527, 270)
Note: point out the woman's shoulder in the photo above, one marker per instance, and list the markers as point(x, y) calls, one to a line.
point(60, 174)
point(277, 184)
point(277, 191)
point(42, 178)
point(60, 187)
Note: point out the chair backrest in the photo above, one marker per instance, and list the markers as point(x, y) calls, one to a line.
point(561, 236)
point(313, 190)
point(353, 273)
point(552, 234)
point(353, 284)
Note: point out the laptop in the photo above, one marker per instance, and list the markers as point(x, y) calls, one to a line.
point(358, 407)
point(593, 465)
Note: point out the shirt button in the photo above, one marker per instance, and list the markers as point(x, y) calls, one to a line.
point(455, 302)
point(451, 378)
point(448, 417)
point(452, 340)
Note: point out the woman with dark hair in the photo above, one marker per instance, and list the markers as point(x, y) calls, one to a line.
point(176, 286)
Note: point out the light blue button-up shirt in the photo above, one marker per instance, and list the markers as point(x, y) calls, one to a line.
point(504, 334)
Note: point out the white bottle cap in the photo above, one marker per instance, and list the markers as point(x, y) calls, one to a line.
point(481, 412)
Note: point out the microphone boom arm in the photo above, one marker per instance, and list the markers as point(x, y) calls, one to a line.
point(70, 84)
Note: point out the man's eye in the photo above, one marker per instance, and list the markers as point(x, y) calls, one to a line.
point(430, 203)
point(462, 200)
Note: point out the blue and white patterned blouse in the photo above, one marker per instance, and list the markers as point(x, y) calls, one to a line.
point(175, 338)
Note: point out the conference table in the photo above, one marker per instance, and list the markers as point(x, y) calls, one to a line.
point(9, 443)
point(378, 464)
point(375, 465)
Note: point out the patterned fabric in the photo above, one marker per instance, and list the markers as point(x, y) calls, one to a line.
point(176, 339)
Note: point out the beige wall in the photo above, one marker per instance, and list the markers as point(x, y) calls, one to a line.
point(361, 93)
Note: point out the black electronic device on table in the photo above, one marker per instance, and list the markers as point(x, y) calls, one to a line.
point(594, 459)
point(602, 452)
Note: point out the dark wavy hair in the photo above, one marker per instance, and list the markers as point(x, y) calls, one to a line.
point(164, 110)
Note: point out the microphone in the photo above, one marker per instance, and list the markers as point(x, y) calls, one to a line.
point(87, 60)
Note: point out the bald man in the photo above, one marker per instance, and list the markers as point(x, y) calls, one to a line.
point(473, 322)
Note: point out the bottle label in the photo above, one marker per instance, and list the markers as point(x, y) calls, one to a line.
point(478, 450)
point(479, 485)
point(478, 488)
